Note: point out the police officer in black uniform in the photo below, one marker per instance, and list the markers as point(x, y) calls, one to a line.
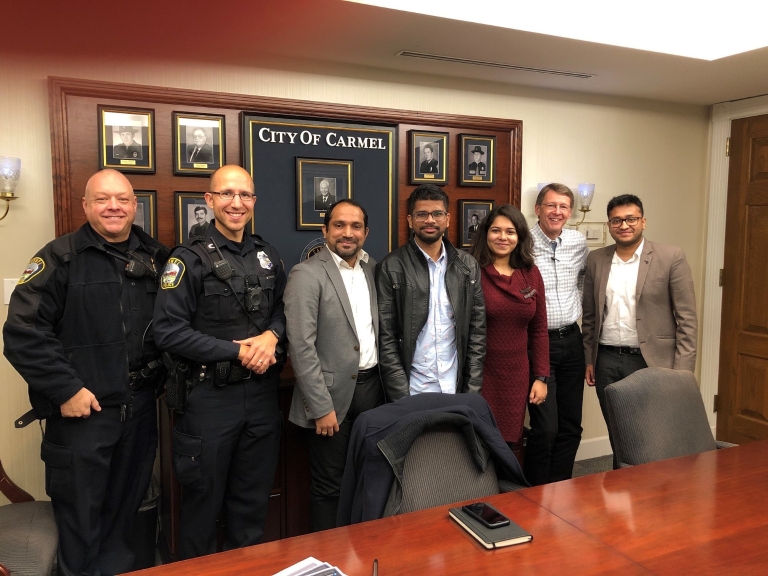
point(79, 332)
point(477, 168)
point(128, 149)
point(221, 309)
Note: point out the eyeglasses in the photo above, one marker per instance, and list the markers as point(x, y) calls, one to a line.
point(630, 220)
point(437, 215)
point(228, 196)
point(563, 207)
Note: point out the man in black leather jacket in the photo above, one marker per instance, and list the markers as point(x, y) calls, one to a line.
point(431, 307)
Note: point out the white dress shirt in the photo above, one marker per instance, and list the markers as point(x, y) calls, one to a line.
point(562, 268)
point(435, 366)
point(360, 301)
point(619, 326)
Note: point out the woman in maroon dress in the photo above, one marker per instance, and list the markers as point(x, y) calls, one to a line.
point(516, 318)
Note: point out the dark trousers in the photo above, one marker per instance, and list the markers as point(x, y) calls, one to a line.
point(328, 454)
point(612, 366)
point(97, 471)
point(225, 452)
point(556, 423)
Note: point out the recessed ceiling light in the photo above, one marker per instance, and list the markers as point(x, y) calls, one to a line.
point(700, 29)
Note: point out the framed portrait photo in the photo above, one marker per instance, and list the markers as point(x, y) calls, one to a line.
point(198, 143)
point(127, 139)
point(429, 157)
point(471, 215)
point(319, 183)
point(146, 211)
point(478, 160)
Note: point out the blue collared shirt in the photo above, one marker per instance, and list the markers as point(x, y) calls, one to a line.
point(435, 366)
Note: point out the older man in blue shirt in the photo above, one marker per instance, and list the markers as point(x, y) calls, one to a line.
point(431, 307)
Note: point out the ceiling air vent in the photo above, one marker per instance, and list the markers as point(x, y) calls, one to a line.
point(455, 60)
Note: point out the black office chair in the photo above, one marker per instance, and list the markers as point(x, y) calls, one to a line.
point(28, 534)
point(655, 414)
point(440, 469)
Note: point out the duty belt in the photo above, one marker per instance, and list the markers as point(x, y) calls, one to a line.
point(222, 373)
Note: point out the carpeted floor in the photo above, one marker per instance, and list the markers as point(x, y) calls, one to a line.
point(593, 465)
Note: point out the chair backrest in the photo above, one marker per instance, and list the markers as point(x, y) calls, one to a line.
point(10, 490)
point(657, 413)
point(28, 535)
point(439, 469)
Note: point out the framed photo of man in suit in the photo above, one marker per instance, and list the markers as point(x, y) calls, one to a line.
point(478, 160)
point(319, 183)
point(471, 216)
point(198, 144)
point(429, 157)
point(126, 139)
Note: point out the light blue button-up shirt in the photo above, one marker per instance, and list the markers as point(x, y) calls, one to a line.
point(435, 366)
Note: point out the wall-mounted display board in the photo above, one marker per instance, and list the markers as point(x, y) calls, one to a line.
point(300, 167)
point(354, 151)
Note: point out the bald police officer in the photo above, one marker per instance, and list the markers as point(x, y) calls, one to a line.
point(221, 308)
point(78, 331)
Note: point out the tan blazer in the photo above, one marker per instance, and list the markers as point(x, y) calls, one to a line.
point(322, 338)
point(666, 305)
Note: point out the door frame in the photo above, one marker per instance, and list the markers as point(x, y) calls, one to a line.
point(720, 130)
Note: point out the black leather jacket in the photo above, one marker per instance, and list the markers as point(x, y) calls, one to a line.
point(402, 284)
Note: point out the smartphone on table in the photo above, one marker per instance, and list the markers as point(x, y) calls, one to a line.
point(486, 514)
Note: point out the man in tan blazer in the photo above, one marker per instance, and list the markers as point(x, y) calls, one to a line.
point(639, 305)
point(332, 323)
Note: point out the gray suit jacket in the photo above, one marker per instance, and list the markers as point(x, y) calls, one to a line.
point(666, 305)
point(322, 338)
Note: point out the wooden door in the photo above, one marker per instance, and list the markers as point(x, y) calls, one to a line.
point(742, 414)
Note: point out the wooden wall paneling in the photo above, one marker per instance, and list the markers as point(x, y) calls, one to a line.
point(62, 89)
point(506, 189)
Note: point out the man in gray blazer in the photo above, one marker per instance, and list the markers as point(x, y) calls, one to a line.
point(333, 330)
point(639, 305)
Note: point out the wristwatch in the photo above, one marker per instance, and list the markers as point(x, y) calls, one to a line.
point(275, 333)
point(544, 379)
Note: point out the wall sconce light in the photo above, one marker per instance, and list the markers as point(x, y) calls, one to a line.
point(10, 170)
point(585, 193)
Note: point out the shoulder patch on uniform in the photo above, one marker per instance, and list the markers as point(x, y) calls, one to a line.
point(174, 270)
point(264, 260)
point(35, 266)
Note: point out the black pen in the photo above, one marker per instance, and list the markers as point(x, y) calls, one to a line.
point(375, 567)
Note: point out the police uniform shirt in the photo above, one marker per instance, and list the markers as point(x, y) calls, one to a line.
point(132, 152)
point(196, 314)
point(477, 168)
point(137, 300)
point(72, 306)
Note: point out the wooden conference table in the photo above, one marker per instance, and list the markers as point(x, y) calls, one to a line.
point(703, 514)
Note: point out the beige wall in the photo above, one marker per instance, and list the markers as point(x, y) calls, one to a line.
point(657, 151)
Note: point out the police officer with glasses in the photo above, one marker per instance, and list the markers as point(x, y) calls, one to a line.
point(221, 310)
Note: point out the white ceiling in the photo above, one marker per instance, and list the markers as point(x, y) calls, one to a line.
point(335, 35)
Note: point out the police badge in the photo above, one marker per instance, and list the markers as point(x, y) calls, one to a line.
point(264, 260)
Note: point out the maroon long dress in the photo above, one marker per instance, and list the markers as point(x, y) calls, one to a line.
point(516, 317)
